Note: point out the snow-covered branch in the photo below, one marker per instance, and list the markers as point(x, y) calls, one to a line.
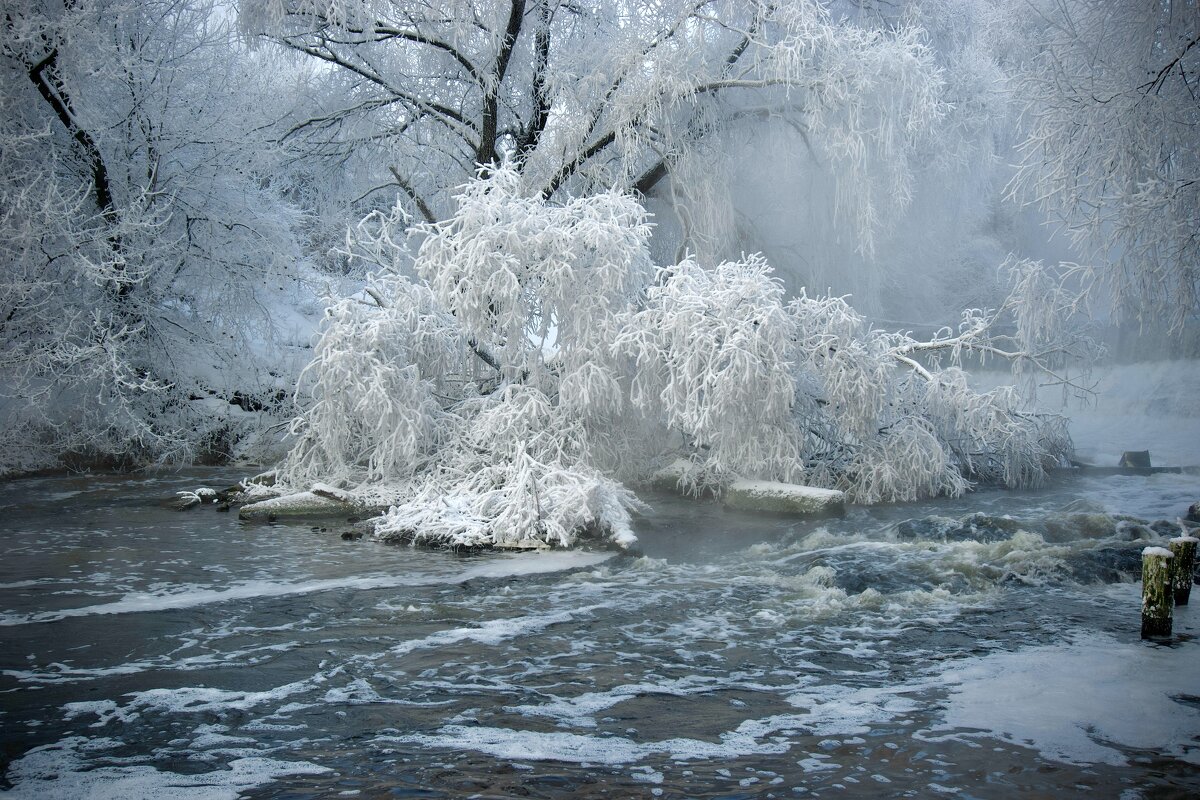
point(606, 369)
point(585, 98)
point(1111, 156)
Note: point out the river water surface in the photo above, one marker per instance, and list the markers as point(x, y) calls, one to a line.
point(911, 650)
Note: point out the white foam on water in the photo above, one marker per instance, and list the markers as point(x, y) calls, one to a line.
point(821, 541)
point(196, 699)
point(216, 737)
point(66, 770)
point(647, 775)
point(836, 710)
point(492, 632)
point(183, 700)
point(829, 710)
point(360, 692)
point(29, 583)
point(1078, 701)
point(580, 710)
point(56, 672)
point(574, 748)
point(190, 596)
point(535, 563)
point(818, 762)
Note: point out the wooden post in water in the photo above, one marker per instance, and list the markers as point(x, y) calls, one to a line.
point(1183, 565)
point(1157, 601)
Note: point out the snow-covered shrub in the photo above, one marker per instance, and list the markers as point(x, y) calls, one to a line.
point(711, 358)
point(516, 472)
point(375, 378)
point(479, 400)
point(539, 359)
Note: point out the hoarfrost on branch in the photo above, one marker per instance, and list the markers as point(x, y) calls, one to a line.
point(537, 362)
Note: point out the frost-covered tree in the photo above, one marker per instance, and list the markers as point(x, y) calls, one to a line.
point(932, 254)
point(1113, 114)
point(586, 96)
point(141, 249)
point(539, 360)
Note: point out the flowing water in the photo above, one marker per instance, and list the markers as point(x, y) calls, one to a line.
point(981, 647)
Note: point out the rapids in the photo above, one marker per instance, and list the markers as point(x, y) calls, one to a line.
point(981, 647)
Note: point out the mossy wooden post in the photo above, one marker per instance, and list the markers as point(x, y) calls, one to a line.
point(1183, 565)
point(1157, 601)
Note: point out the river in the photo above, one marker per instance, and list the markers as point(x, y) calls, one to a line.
point(154, 653)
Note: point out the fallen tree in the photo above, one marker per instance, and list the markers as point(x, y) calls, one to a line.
point(532, 363)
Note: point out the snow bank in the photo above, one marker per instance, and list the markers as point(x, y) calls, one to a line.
point(671, 477)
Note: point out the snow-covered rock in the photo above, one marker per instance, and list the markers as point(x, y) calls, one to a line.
point(672, 476)
point(184, 501)
point(523, 544)
point(785, 498)
point(300, 504)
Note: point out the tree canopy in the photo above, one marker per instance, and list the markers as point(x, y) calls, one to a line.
point(538, 359)
point(1113, 103)
point(140, 245)
point(179, 176)
point(584, 97)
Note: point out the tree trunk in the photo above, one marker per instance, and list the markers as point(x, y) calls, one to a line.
point(44, 76)
point(486, 153)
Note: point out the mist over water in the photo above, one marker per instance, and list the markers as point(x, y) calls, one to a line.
point(986, 645)
point(1142, 405)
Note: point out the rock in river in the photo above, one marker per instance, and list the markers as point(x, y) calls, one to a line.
point(785, 498)
point(301, 505)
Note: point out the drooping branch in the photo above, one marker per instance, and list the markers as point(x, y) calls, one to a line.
point(479, 350)
point(1035, 344)
point(1157, 83)
point(386, 32)
point(569, 168)
point(651, 177)
point(461, 124)
point(572, 166)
